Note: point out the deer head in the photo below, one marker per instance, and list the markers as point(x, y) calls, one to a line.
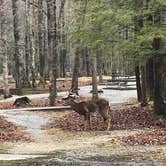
point(71, 99)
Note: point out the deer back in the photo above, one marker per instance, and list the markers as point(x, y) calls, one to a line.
point(92, 106)
point(79, 107)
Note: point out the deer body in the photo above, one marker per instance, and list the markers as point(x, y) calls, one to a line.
point(85, 108)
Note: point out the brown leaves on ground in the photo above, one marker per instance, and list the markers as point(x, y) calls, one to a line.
point(129, 118)
point(11, 132)
point(136, 118)
point(6, 105)
point(155, 137)
point(122, 119)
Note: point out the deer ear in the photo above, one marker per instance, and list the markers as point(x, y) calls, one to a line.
point(65, 98)
point(73, 95)
point(70, 92)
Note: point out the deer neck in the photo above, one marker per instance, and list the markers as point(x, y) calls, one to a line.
point(73, 104)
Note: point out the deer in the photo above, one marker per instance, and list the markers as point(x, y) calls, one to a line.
point(86, 108)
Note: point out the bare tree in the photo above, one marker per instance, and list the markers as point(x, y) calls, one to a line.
point(41, 39)
point(3, 39)
point(52, 41)
point(18, 53)
point(94, 79)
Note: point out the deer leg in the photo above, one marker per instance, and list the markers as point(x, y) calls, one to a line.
point(87, 118)
point(89, 121)
point(108, 120)
point(85, 125)
point(85, 122)
point(108, 124)
point(104, 114)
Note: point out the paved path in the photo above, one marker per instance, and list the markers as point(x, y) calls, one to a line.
point(114, 96)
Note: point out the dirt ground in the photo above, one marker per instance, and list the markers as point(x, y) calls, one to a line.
point(54, 146)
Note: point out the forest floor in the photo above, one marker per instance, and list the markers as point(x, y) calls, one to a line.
point(137, 136)
point(58, 138)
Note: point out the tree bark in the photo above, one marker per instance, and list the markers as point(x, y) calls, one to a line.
point(159, 79)
point(17, 43)
point(160, 70)
point(3, 36)
point(63, 50)
point(41, 40)
point(52, 34)
point(150, 78)
point(27, 43)
point(74, 86)
point(94, 80)
point(100, 68)
point(33, 46)
point(138, 83)
point(143, 86)
point(5, 68)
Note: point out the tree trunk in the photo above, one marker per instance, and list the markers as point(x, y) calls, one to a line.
point(150, 78)
point(5, 69)
point(143, 86)
point(94, 80)
point(160, 68)
point(46, 57)
point(100, 67)
point(87, 64)
point(33, 52)
point(160, 85)
point(17, 43)
point(74, 86)
point(138, 83)
point(27, 43)
point(52, 34)
point(41, 40)
point(3, 36)
point(159, 79)
point(63, 51)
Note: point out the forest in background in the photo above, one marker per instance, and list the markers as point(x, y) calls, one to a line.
point(44, 40)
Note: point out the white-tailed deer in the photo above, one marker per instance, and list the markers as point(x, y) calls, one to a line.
point(85, 108)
